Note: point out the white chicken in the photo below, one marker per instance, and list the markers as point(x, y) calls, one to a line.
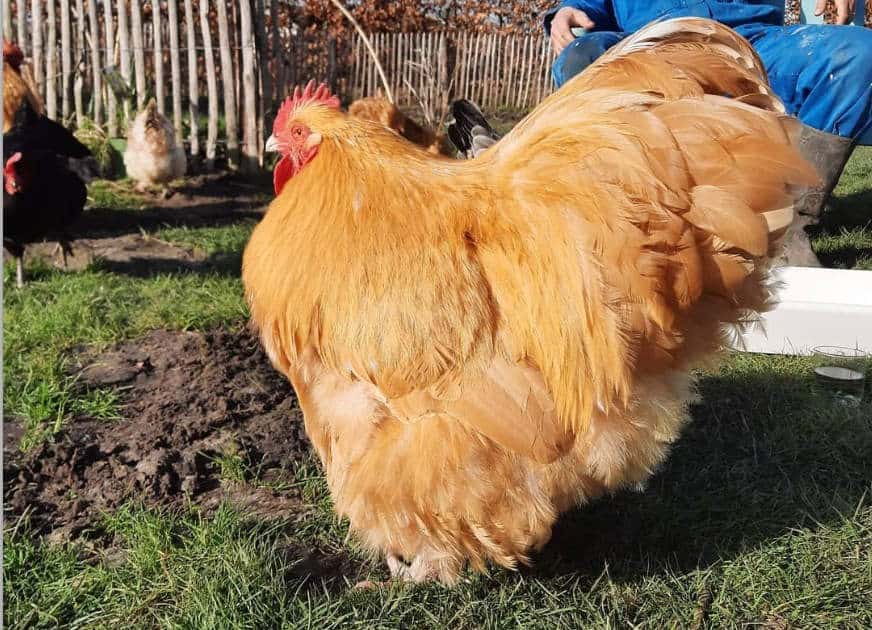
point(153, 156)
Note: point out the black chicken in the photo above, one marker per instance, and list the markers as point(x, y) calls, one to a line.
point(42, 195)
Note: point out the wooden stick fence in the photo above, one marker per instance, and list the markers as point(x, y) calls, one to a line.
point(213, 61)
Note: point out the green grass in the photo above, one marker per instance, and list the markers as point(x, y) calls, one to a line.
point(762, 516)
point(115, 195)
point(212, 241)
point(845, 236)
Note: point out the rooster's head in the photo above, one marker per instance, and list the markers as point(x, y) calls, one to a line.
point(301, 124)
point(12, 55)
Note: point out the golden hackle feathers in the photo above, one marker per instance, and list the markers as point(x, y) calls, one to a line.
point(18, 86)
point(478, 345)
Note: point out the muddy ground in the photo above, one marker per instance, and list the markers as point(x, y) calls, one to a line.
point(187, 400)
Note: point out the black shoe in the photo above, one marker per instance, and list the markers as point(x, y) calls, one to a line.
point(470, 131)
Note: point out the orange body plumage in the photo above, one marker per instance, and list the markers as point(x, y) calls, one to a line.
point(480, 345)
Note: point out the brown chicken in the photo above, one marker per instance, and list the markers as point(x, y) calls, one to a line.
point(18, 85)
point(382, 111)
point(480, 345)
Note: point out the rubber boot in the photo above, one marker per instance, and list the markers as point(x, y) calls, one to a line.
point(828, 154)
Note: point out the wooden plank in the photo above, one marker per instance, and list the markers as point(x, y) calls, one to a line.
point(233, 24)
point(21, 25)
point(124, 52)
point(37, 54)
point(111, 101)
point(66, 61)
point(250, 156)
point(96, 77)
point(193, 80)
point(264, 79)
point(542, 75)
point(496, 72)
point(138, 52)
point(175, 65)
point(211, 85)
point(354, 87)
point(51, 69)
point(278, 51)
point(227, 80)
point(7, 20)
point(530, 56)
point(157, 35)
point(506, 70)
point(79, 81)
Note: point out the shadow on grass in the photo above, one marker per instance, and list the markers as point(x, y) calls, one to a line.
point(225, 263)
point(852, 212)
point(762, 456)
point(107, 222)
point(199, 201)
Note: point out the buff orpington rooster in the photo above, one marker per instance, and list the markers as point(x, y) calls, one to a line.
point(480, 345)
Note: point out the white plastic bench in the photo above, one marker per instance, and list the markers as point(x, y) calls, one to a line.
point(818, 307)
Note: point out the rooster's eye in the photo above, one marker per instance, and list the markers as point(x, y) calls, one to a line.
point(297, 132)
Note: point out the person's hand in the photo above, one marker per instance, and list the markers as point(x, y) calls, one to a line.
point(844, 11)
point(564, 20)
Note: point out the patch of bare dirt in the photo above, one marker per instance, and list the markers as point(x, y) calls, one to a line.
point(187, 399)
point(133, 254)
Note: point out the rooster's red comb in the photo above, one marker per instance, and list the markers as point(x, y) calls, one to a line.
point(305, 96)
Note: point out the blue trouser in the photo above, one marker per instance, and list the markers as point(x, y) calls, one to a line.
point(822, 73)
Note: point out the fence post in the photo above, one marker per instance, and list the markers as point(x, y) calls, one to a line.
point(66, 60)
point(51, 66)
point(36, 35)
point(228, 84)
point(111, 113)
point(79, 82)
point(7, 21)
point(264, 78)
point(158, 55)
point(138, 52)
point(278, 50)
point(97, 85)
point(124, 50)
point(175, 66)
point(193, 83)
point(21, 23)
point(250, 153)
point(211, 85)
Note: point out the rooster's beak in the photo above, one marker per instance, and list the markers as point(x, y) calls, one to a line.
point(272, 144)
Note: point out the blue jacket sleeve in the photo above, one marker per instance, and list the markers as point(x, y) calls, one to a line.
point(599, 11)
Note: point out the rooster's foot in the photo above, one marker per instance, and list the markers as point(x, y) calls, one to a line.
point(65, 250)
point(423, 569)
